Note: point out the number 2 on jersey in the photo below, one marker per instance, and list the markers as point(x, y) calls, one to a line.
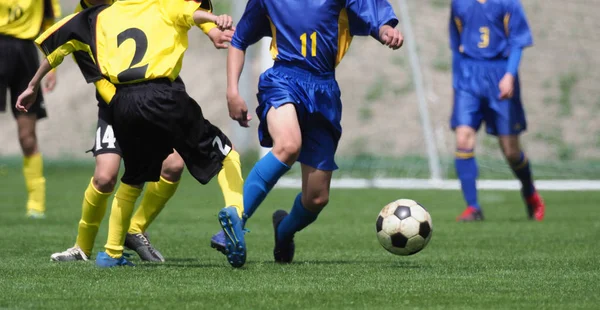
point(313, 45)
point(141, 46)
point(224, 148)
point(14, 13)
point(485, 37)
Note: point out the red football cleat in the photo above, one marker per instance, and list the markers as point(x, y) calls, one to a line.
point(536, 208)
point(470, 214)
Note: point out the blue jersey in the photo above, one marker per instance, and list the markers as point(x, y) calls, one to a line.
point(488, 29)
point(313, 35)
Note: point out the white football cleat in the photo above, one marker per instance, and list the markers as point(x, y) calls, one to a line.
point(70, 255)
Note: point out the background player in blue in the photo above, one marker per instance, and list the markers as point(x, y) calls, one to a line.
point(299, 99)
point(487, 38)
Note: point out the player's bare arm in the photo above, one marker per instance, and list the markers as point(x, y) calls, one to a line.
point(50, 81)
point(27, 98)
point(391, 37)
point(223, 22)
point(238, 110)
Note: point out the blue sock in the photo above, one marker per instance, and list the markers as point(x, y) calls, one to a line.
point(466, 169)
point(297, 220)
point(522, 171)
point(264, 175)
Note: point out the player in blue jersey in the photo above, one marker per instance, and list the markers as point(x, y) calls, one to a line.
point(487, 38)
point(299, 99)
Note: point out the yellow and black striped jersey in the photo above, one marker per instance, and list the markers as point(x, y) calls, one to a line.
point(76, 35)
point(25, 19)
point(85, 58)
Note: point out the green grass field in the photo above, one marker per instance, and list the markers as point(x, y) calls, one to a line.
point(504, 262)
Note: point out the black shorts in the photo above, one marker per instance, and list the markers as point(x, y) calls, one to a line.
point(153, 118)
point(18, 63)
point(105, 141)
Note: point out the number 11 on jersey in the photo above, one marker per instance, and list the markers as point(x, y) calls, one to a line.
point(313, 44)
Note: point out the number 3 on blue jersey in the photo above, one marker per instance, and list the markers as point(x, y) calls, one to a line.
point(313, 44)
point(485, 37)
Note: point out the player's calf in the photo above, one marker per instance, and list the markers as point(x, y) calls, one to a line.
point(26, 131)
point(520, 165)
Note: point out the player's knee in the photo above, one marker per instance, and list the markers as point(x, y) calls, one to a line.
point(317, 202)
point(465, 140)
point(172, 168)
point(289, 150)
point(105, 181)
point(512, 154)
point(28, 142)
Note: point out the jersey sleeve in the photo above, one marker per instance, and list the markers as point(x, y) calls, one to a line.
point(366, 17)
point(182, 11)
point(208, 26)
point(519, 34)
point(253, 26)
point(71, 35)
point(455, 28)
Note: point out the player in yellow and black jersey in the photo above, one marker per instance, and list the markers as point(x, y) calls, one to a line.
point(107, 153)
point(20, 23)
point(153, 115)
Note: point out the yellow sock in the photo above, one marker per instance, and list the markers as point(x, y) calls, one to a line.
point(120, 217)
point(155, 198)
point(232, 183)
point(33, 171)
point(92, 212)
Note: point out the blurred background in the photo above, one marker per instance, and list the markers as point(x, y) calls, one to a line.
point(386, 134)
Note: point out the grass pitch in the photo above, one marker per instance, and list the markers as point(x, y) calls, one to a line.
point(504, 262)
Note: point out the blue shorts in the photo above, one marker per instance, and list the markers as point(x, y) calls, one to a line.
point(476, 100)
point(318, 106)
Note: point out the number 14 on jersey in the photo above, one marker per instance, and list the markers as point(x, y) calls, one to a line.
point(313, 44)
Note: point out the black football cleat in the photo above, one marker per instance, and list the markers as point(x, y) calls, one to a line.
point(284, 249)
point(140, 243)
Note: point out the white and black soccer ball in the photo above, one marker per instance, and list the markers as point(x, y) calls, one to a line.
point(404, 227)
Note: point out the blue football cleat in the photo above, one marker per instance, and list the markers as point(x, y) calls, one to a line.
point(105, 261)
point(235, 245)
point(284, 249)
point(219, 242)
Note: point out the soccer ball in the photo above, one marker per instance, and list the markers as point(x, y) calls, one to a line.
point(404, 227)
